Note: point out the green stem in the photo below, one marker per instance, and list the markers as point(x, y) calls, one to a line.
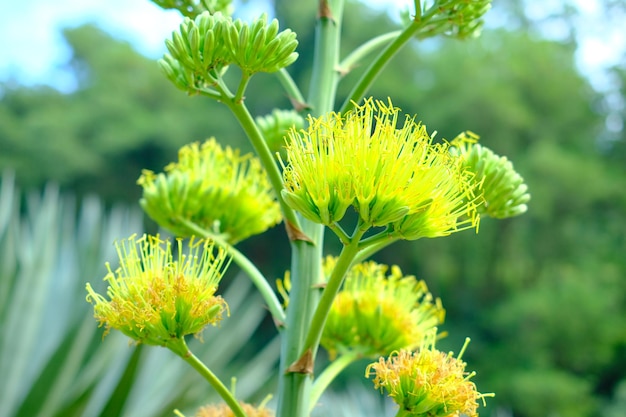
point(243, 84)
point(306, 275)
point(244, 117)
point(306, 264)
point(257, 278)
point(326, 57)
point(344, 261)
point(329, 374)
point(365, 49)
point(341, 234)
point(403, 413)
point(368, 250)
point(206, 373)
point(209, 92)
point(367, 79)
point(290, 87)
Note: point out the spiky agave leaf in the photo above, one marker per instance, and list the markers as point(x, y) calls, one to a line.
point(53, 359)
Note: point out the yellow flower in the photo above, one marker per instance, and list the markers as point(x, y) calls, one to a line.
point(222, 410)
point(214, 188)
point(375, 313)
point(427, 383)
point(157, 300)
point(392, 176)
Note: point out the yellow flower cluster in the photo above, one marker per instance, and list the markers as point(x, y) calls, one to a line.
point(157, 300)
point(222, 410)
point(375, 313)
point(214, 188)
point(427, 383)
point(393, 176)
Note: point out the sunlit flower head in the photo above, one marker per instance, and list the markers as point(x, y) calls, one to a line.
point(379, 311)
point(503, 190)
point(214, 188)
point(222, 410)
point(428, 382)
point(157, 300)
point(392, 175)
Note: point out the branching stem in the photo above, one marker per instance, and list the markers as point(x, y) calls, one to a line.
point(329, 374)
point(206, 373)
point(257, 278)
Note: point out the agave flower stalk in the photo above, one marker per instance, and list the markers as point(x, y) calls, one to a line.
point(367, 158)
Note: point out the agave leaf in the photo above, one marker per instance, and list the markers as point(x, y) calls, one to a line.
point(53, 359)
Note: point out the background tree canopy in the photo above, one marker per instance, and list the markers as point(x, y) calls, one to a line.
point(543, 296)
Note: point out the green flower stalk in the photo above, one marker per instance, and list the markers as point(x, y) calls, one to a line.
point(428, 382)
point(215, 188)
point(392, 176)
point(192, 8)
point(157, 300)
point(503, 190)
point(460, 19)
point(377, 313)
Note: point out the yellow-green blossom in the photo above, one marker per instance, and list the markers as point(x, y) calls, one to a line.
point(214, 188)
point(503, 190)
point(157, 300)
point(393, 176)
point(222, 410)
point(376, 313)
point(427, 383)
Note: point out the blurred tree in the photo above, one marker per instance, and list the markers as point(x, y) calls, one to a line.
point(124, 116)
point(543, 295)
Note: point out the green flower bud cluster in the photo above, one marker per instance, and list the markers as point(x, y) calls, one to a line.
point(202, 49)
point(192, 8)
point(455, 18)
point(212, 188)
point(504, 192)
point(276, 125)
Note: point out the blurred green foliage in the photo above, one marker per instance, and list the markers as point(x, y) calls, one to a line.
point(543, 296)
point(53, 357)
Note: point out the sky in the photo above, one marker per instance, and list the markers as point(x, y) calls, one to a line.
point(32, 50)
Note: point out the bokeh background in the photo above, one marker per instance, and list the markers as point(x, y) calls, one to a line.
point(84, 108)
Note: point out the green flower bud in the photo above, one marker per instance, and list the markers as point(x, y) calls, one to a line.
point(202, 48)
point(276, 126)
point(259, 47)
point(455, 18)
point(198, 45)
point(212, 188)
point(503, 190)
